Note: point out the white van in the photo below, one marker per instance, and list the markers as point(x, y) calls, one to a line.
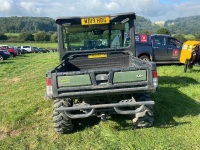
point(27, 48)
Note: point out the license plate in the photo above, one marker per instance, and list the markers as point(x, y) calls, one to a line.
point(97, 55)
point(96, 20)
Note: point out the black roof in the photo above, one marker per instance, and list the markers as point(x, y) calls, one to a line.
point(77, 19)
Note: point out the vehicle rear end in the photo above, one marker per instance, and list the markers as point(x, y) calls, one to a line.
point(9, 49)
point(4, 54)
point(190, 54)
point(98, 72)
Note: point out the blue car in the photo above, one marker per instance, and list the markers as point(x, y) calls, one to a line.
point(4, 55)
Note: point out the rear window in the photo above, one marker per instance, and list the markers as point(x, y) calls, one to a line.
point(26, 46)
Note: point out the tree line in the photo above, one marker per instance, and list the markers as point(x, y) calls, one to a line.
point(184, 25)
point(28, 36)
point(44, 28)
point(26, 24)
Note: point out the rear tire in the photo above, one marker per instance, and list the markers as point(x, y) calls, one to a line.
point(12, 55)
point(61, 122)
point(144, 57)
point(1, 58)
point(144, 118)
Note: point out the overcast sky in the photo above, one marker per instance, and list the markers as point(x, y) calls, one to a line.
point(155, 10)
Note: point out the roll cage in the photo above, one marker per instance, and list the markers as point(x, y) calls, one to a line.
point(94, 34)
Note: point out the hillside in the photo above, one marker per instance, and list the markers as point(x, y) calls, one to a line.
point(23, 24)
point(143, 24)
point(184, 25)
point(34, 24)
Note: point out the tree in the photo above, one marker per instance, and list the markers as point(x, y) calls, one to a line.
point(26, 36)
point(54, 37)
point(197, 36)
point(145, 32)
point(3, 36)
point(180, 37)
point(163, 31)
point(42, 36)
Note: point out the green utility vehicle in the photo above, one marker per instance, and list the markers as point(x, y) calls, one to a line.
point(98, 72)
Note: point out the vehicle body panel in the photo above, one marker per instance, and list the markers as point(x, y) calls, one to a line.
point(28, 48)
point(160, 48)
point(5, 54)
point(9, 49)
point(187, 50)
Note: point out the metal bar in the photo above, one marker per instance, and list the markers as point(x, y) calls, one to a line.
point(105, 106)
point(129, 112)
point(76, 116)
point(113, 91)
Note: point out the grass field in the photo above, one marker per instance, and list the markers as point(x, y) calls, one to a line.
point(190, 37)
point(26, 116)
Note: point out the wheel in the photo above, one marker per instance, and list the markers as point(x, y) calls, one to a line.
point(1, 58)
point(144, 57)
point(11, 55)
point(144, 118)
point(61, 122)
point(187, 65)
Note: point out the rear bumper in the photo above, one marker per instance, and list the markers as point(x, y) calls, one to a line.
point(113, 107)
point(6, 56)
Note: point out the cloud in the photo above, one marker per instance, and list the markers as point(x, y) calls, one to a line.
point(155, 10)
point(112, 6)
point(6, 5)
point(31, 8)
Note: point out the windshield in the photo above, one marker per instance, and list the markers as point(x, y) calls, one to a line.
point(93, 37)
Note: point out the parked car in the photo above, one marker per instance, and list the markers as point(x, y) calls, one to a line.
point(28, 48)
point(18, 50)
point(4, 55)
point(43, 50)
point(36, 50)
point(159, 48)
point(23, 51)
point(9, 49)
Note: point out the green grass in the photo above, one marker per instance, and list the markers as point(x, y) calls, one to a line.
point(12, 34)
point(189, 37)
point(26, 116)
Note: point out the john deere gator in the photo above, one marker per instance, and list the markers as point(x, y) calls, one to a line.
point(98, 73)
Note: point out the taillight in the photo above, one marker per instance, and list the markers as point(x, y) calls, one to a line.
point(154, 74)
point(49, 88)
point(155, 79)
point(48, 82)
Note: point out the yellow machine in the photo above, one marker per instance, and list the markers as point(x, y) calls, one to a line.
point(190, 54)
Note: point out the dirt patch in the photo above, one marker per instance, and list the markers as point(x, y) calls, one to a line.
point(13, 80)
point(13, 133)
point(2, 135)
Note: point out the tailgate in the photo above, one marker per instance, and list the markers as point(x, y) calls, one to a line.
point(96, 83)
